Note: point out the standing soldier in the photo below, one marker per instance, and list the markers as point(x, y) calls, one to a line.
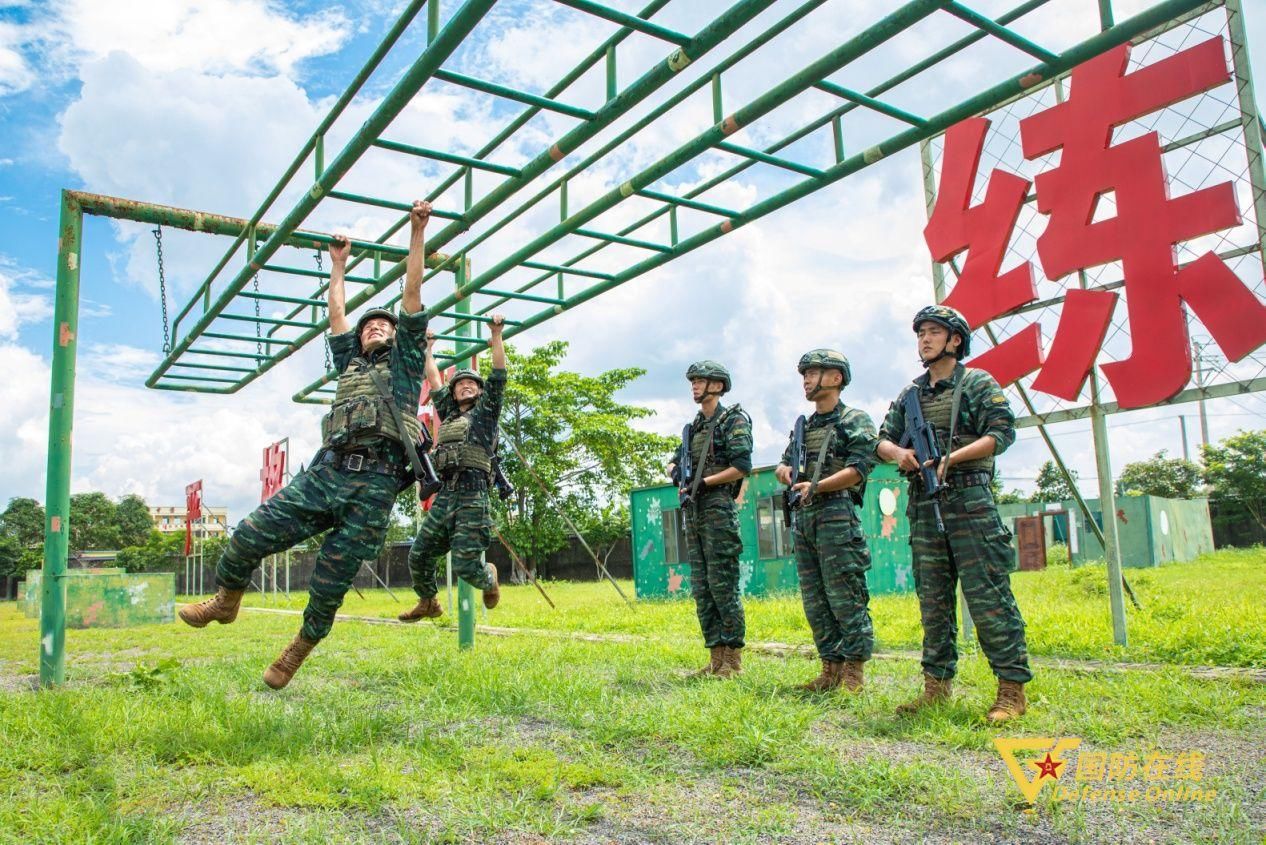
point(720, 457)
point(352, 482)
point(459, 520)
point(973, 422)
point(831, 552)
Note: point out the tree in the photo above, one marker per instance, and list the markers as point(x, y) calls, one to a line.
point(23, 520)
point(10, 558)
point(604, 528)
point(1051, 486)
point(577, 439)
point(1235, 470)
point(131, 517)
point(1011, 497)
point(1172, 478)
point(93, 522)
point(159, 553)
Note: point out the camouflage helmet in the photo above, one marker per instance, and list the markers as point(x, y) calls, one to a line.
point(948, 317)
point(710, 370)
point(466, 373)
point(375, 314)
point(826, 359)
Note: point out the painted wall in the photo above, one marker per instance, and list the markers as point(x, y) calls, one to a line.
point(110, 598)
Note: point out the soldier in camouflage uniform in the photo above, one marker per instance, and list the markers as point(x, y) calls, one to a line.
point(459, 520)
point(352, 482)
point(976, 546)
point(721, 457)
point(831, 552)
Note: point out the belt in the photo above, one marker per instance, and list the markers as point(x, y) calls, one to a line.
point(466, 479)
point(979, 478)
point(826, 497)
point(361, 461)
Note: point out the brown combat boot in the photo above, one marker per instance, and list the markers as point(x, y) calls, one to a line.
point(935, 691)
point(222, 608)
point(713, 665)
point(852, 675)
point(427, 608)
point(492, 595)
point(1009, 704)
point(731, 662)
point(285, 666)
point(828, 680)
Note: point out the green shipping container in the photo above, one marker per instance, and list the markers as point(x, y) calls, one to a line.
point(660, 568)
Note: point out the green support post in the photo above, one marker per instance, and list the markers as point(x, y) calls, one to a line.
point(465, 592)
point(61, 419)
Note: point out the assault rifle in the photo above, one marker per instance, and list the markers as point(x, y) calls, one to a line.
point(792, 498)
point(683, 472)
point(921, 437)
point(428, 481)
point(502, 484)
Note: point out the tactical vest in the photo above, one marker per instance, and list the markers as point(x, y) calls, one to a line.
point(454, 451)
point(361, 415)
point(699, 442)
point(936, 410)
point(813, 440)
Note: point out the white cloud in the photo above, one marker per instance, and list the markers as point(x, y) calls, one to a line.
point(16, 307)
point(15, 72)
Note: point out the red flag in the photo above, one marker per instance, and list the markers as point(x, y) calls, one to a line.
point(193, 511)
point(273, 474)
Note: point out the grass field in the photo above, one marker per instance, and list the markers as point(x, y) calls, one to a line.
point(390, 734)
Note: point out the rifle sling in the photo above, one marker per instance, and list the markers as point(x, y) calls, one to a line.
point(706, 453)
point(409, 449)
point(955, 404)
point(817, 468)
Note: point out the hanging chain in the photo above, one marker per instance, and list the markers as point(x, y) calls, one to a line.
point(326, 336)
point(259, 343)
point(162, 288)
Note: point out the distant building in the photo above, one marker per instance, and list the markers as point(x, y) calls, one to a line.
point(214, 521)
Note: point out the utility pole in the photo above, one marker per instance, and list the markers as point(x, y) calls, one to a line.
point(1204, 417)
point(1186, 450)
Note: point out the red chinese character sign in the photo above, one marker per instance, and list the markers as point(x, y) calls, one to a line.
point(1142, 235)
point(273, 473)
point(193, 511)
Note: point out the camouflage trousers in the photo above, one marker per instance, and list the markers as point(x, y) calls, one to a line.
point(458, 521)
point(713, 546)
point(353, 506)
point(975, 549)
point(831, 560)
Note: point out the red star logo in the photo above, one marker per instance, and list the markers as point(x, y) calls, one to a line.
point(1049, 767)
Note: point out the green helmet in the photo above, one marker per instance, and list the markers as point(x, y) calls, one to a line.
point(948, 317)
point(710, 370)
point(470, 374)
point(826, 359)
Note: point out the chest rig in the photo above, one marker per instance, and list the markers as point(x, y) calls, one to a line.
point(454, 450)
point(361, 415)
point(938, 409)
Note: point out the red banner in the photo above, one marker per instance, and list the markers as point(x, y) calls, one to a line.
point(193, 511)
point(273, 474)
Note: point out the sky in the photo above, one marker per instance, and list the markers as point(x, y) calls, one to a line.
point(203, 103)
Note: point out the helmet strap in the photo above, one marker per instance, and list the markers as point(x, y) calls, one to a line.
point(945, 352)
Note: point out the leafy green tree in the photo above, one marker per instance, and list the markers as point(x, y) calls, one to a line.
point(159, 553)
point(93, 522)
point(1011, 497)
point(1172, 478)
point(10, 557)
point(23, 520)
point(1051, 486)
point(1235, 470)
point(131, 517)
point(576, 440)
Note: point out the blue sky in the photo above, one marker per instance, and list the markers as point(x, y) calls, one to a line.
point(202, 103)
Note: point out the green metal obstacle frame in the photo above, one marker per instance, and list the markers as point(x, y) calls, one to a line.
point(586, 252)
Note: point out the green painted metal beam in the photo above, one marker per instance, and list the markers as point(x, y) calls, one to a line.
point(314, 274)
point(246, 338)
point(192, 366)
point(621, 239)
point(870, 103)
point(990, 26)
point(558, 268)
point(361, 199)
point(224, 353)
point(277, 297)
point(478, 318)
point(685, 202)
point(529, 297)
point(508, 93)
point(631, 21)
point(198, 379)
point(247, 318)
point(448, 158)
point(766, 158)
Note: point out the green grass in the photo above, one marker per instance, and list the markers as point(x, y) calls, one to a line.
point(1206, 612)
point(391, 734)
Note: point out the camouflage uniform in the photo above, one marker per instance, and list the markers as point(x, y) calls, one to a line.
point(830, 548)
point(976, 547)
point(713, 544)
point(459, 520)
point(353, 505)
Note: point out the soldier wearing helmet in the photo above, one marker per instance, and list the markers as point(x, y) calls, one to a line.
point(973, 423)
point(830, 549)
point(352, 482)
point(720, 451)
point(459, 520)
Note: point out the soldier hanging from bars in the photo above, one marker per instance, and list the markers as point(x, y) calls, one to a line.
point(352, 482)
point(459, 521)
point(709, 466)
point(955, 532)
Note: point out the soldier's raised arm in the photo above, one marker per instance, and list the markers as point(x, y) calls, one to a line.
point(336, 296)
point(415, 264)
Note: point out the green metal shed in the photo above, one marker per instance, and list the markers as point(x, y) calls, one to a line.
point(660, 568)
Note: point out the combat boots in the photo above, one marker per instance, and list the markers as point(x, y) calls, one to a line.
point(713, 665)
point(427, 608)
point(731, 663)
point(852, 675)
point(284, 668)
point(1010, 702)
point(222, 608)
point(830, 678)
point(935, 691)
point(492, 595)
